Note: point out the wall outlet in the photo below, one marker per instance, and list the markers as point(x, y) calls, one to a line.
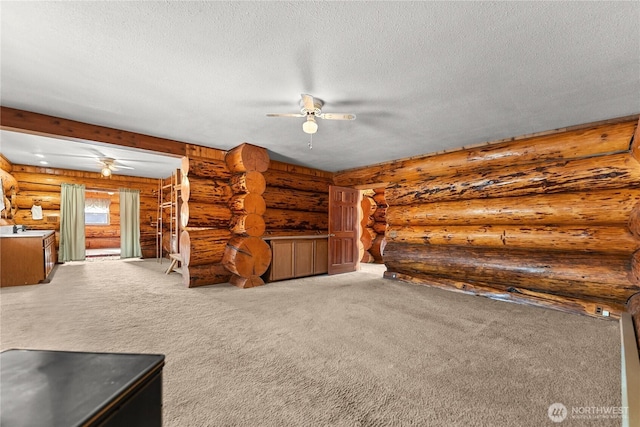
point(598, 310)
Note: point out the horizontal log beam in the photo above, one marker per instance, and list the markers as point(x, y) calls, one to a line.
point(579, 208)
point(102, 242)
point(204, 275)
point(50, 219)
point(295, 220)
point(47, 200)
point(205, 168)
point(515, 294)
point(205, 190)
point(203, 246)
point(608, 172)
point(43, 181)
point(297, 181)
point(588, 239)
point(611, 277)
point(204, 215)
point(40, 124)
point(585, 141)
point(299, 200)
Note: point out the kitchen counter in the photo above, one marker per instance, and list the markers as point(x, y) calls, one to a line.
point(307, 236)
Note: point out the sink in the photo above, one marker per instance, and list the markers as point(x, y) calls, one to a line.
point(7, 231)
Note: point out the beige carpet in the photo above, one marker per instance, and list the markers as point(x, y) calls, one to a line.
point(347, 350)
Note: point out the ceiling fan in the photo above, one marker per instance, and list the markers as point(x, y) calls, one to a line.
point(109, 166)
point(311, 108)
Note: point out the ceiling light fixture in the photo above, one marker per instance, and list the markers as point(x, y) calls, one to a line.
point(106, 172)
point(310, 126)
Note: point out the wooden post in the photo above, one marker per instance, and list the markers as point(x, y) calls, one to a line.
point(247, 256)
point(247, 158)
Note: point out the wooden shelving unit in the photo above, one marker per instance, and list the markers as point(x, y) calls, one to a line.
point(169, 204)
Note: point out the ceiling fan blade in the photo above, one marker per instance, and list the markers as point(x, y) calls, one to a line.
point(68, 155)
point(285, 115)
point(123, 167)
point(337, 116)
point(307, 102)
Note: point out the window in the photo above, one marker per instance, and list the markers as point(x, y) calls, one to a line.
point(96, 211)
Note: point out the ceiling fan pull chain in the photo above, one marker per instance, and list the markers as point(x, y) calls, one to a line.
point(310, 141)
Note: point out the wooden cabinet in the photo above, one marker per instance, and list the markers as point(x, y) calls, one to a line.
point(27, 260)
point(297, 257)
point(50, 256)
point(321, 264)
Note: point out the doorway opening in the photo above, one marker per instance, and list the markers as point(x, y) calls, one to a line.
point(373, 226)
point(102, 223)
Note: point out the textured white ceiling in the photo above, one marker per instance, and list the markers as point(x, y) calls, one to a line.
point(420, 76)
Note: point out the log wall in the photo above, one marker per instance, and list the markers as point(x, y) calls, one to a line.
point(373, 225)
point(38, 185)
point(205, 217)
point(297, 200)
point(546, 220)
point(10, 189)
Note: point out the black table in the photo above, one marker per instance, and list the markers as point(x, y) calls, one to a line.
point(62, 388)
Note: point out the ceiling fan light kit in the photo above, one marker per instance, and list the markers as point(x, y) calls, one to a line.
point(109, 165)
point(310, 126)
point(311, 108)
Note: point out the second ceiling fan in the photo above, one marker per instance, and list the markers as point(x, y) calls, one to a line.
point(311, 108)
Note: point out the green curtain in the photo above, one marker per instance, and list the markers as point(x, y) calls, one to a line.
point(72, 244)
point(130, 223)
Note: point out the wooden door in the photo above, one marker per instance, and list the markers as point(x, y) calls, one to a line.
point(343, 229)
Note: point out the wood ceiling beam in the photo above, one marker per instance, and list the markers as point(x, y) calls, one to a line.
point(40, 124)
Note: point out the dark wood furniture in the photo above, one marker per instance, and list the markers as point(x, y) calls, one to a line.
point(62, 388)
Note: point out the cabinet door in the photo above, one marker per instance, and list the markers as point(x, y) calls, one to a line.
point(304, 257)
point(321, 264)
point(282, 266)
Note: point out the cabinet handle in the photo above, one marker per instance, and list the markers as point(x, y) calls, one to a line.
point(332, 235)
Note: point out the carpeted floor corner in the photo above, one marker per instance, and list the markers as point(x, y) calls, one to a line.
point(346, 350)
